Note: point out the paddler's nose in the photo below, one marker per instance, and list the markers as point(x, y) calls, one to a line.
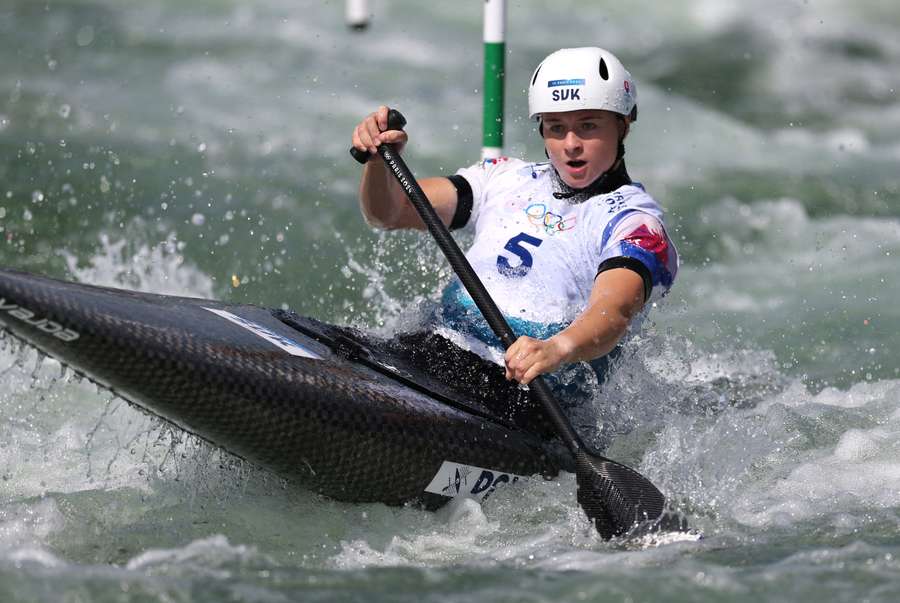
point(573, 144)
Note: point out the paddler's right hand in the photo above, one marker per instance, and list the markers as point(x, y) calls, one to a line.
point(372, 131)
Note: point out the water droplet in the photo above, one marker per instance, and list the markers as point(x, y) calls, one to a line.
point(37, 196)
point(65, 111)
point(198, 219)
point(85, 36)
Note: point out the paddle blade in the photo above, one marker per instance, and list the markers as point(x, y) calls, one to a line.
point(615, 497)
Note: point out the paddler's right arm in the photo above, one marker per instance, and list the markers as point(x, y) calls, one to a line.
point(381, 198)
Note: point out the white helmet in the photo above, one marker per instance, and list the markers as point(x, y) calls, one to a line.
point(582, 78)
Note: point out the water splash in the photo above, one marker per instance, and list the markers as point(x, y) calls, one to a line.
point(128, 263)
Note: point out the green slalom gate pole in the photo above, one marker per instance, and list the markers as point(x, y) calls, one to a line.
point(494, 77)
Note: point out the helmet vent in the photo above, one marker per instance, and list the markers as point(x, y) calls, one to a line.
point(604, 71)
point(536, 72)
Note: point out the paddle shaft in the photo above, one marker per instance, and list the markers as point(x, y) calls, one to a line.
point(470, 280)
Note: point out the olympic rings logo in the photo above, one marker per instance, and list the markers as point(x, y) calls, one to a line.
point(551, 223)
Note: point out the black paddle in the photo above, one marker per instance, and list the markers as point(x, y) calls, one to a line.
point(613, 496)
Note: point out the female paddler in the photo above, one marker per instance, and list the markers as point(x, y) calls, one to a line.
point(571, 249)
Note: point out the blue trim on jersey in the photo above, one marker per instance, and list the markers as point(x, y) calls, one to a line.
point(459, 313)
point(659, 273)
point(462, 315)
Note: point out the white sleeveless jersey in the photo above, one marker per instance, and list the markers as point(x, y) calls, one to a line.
point(538, 255)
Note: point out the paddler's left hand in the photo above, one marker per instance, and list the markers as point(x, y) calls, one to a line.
point(529, 357)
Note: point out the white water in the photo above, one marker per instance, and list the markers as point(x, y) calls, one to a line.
point(208, 148)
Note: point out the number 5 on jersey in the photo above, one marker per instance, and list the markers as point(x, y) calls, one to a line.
point(516, 245)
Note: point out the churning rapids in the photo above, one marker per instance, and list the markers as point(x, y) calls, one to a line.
point(201, 150)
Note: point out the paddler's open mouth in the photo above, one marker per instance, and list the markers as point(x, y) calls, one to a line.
point(576, 163)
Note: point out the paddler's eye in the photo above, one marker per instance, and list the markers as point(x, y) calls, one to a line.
point(556, 129)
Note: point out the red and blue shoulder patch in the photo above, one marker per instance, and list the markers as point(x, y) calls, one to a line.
point(650, 240)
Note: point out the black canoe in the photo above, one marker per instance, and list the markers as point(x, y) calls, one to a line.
point(292, 395)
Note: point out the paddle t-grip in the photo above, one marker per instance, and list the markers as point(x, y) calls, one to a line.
point(395, 121)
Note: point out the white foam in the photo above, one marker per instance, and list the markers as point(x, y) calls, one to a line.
point(837, 476)
point(159, 268)
point(24, 527)
point(461, 528)
point(860, 394)
point(208, 556)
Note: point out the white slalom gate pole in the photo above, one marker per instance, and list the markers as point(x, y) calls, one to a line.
point(357, 14)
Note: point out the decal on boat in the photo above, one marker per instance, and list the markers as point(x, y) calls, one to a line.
point(42, 324)
point(455, 479)
point(288, 345)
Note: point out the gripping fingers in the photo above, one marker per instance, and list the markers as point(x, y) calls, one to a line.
point(533, 371)
point(376, 124)
point(366, 135)
point(527, 358)
point(381, 118)
point(371, 132)
point(519, 357)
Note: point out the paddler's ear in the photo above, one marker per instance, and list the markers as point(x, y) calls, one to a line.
point(626, 122)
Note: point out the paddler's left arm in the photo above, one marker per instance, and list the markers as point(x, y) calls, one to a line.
point(616, 297)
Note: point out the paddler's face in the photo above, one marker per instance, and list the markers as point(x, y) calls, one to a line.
point(582, 144)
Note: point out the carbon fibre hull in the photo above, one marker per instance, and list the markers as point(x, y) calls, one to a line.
point(274, 395)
